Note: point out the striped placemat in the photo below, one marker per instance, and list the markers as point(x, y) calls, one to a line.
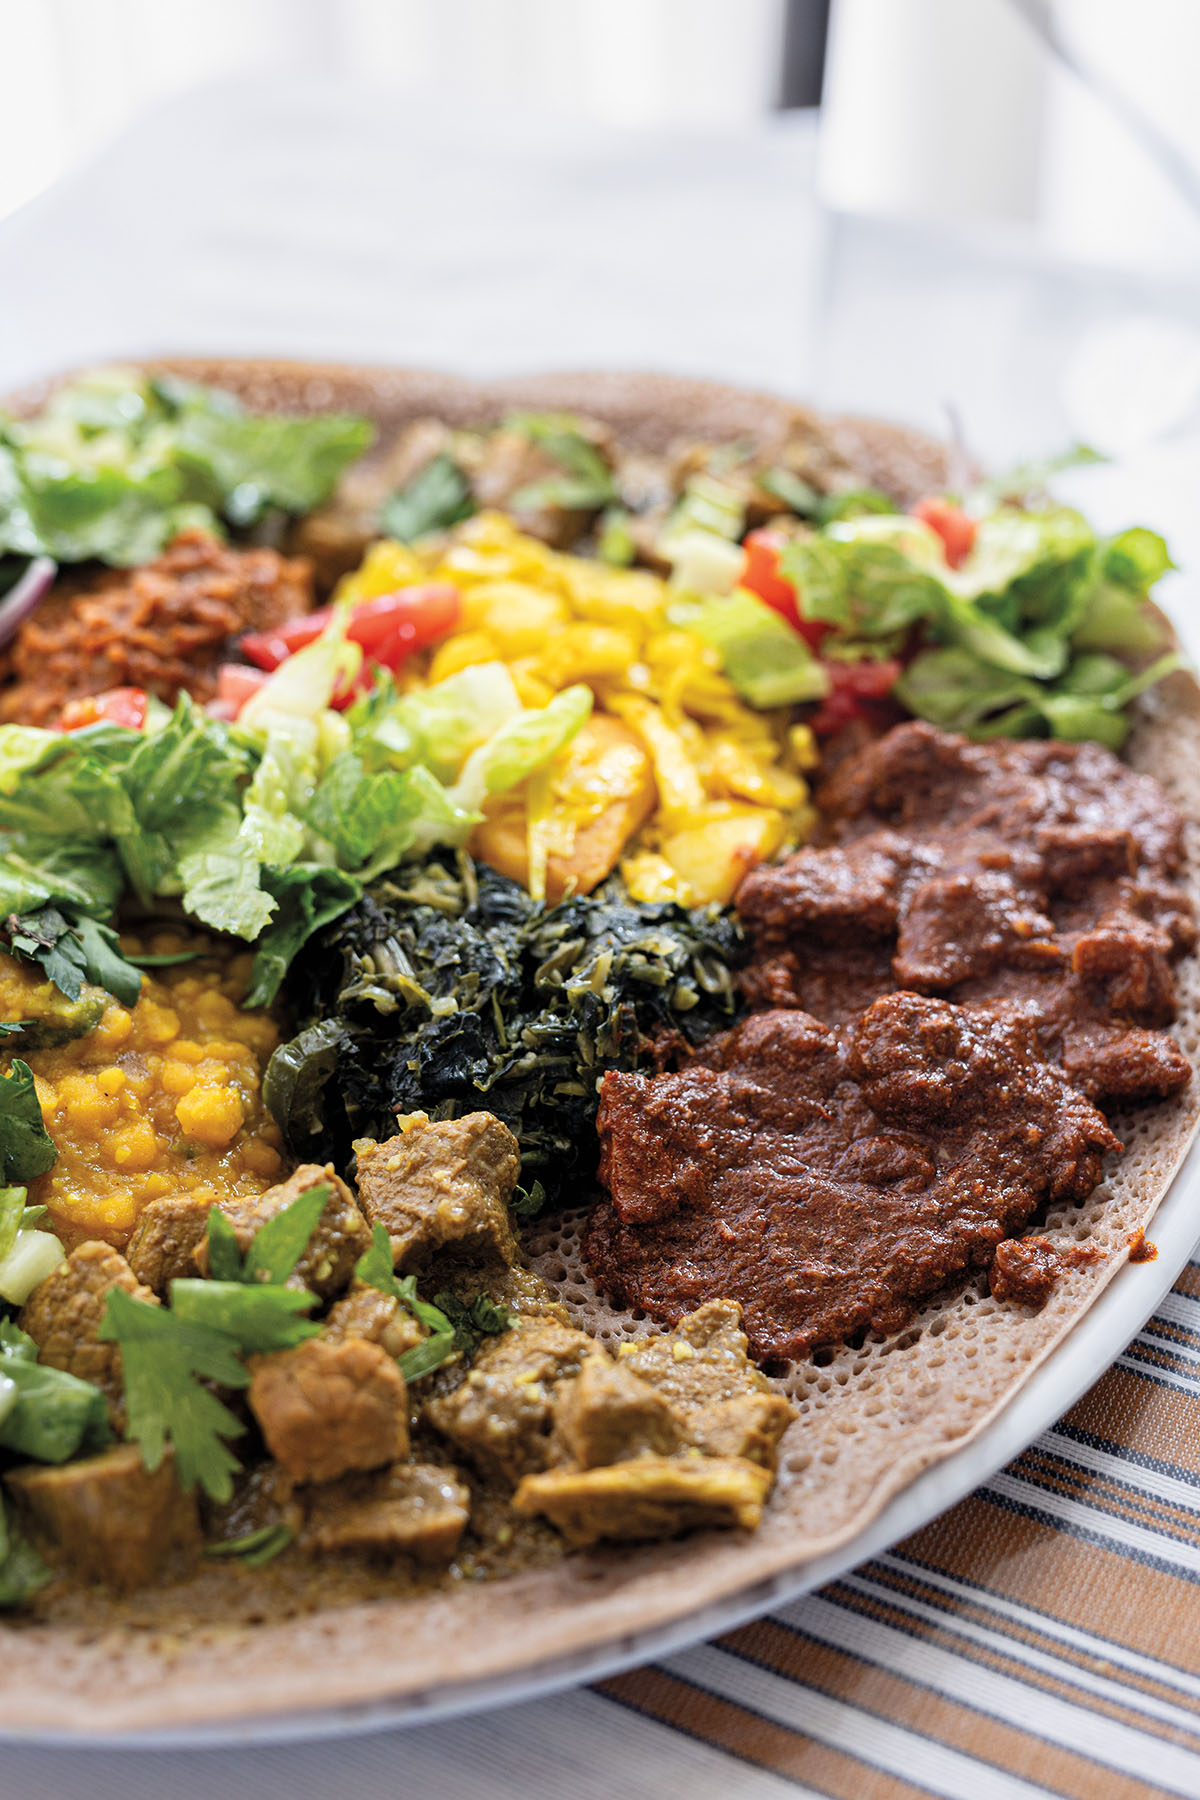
point(1042, 1636)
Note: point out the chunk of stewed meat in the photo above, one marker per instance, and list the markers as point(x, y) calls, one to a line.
point(64, 1313)
point(108, 1518)
point(326, 1408)
point(339, 1239)
point(501, 1417)
point(366, 1313)
point(608, 1413)
point(725, 1405)
point(651, 1497)
point(165, 1239)
point(441, 1191)
point(411, 1509)
point(829, 1181)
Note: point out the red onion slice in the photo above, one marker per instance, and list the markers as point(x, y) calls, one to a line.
point(21, 600)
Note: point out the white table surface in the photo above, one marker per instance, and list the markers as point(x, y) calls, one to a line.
point(365, 226)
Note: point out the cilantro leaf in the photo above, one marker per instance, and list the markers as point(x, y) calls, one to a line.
point(165, 1361)
point(587, 481)
point(258, 1316)
point(438, 496)
point(224, 1256)
point(26, 1147)
point(527, 1203)
point(375, 1268)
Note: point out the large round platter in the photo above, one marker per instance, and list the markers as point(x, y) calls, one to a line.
point(888, 1435)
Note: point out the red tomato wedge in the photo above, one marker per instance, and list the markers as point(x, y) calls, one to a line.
point(119, 706)
point(389, 627)
point(955, 527)
point(855, 689)
point(761, 575)
point(235, 684)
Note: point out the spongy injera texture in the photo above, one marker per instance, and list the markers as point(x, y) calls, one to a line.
point(869, 1419)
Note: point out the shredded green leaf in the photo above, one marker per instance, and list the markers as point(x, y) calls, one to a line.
point(26, 1147)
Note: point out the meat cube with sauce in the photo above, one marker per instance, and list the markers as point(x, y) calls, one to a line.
point(608, 1414)
point(165, 1239)
point(326, 1408)
point(650, 1497)
point(108, 1518)
point(441, 1191)
point(411, 1509)
point(502, 1415)
point(339, 1239)
point(701, 1369)
point(64, 1313)
point(379, 1318)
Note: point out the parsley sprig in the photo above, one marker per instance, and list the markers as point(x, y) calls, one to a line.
point(170, 1352)
point(454, 1328)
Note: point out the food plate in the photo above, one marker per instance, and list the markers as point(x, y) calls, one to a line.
point(890, 1434)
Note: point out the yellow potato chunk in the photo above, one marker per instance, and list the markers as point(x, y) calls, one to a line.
point(601, 791)
point(712, 858)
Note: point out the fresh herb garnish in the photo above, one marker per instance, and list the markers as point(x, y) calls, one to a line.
point(26, 1148)
point(72, 948)
point(255, 1547)
point(454, 1328)
point(169, 1352)
point(166, 1363)
point(587, 480)
point(436, 498)
point(527, 1203)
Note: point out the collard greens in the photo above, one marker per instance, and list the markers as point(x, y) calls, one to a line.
point(448, 990)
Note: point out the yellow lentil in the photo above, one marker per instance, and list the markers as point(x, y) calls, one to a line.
point(160, 1098)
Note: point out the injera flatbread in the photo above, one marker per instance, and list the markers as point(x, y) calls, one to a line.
point(870, 1419)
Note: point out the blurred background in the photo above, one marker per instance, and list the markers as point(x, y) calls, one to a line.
point(978, 210)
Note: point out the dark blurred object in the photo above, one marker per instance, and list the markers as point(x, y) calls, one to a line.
point(802, 72)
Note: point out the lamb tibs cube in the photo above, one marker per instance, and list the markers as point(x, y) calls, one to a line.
point(502, 1416)
point(441, 1190)
point(165, 1239)
point(325, 1407)
point(649, 1497)
point(64, 1313)
point(727, 1406)
point(379, 1318)
point(108, 1518)
point(608, 1414)
point(340, 1237)
point(411, 1509)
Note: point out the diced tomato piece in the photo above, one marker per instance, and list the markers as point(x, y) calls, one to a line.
point(761, 575)
point(235, 684)
point(267, 649)
point(856, 691)
point(412, 617)
point(423, 613)
point(955, 527)
point(119, 706)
